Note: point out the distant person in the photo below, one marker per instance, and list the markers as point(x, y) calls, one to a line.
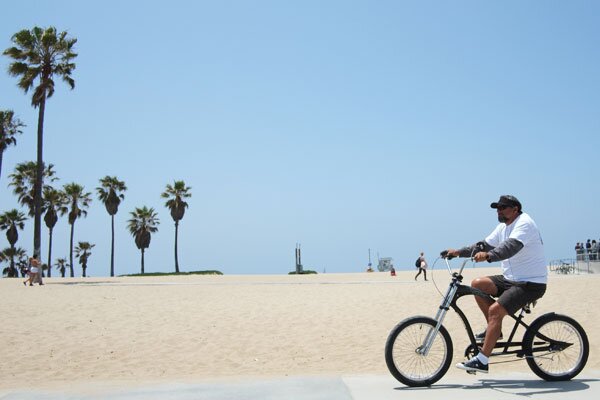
point(33, 271)
point(579, 249)
point(392, 271)
point(594, 250)
point(422, 267)
point(24, 270)
point(588, 247)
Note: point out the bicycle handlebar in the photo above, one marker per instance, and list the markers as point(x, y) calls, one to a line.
point(479, 246)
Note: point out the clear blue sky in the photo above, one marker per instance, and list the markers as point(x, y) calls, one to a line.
point(341, 125)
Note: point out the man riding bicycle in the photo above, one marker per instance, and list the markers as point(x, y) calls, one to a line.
point(517, 243)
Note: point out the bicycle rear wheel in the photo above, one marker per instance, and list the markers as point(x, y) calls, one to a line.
point(556, 347)
point(403, 357)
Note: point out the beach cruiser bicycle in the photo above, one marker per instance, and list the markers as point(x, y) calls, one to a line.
point(419, 351)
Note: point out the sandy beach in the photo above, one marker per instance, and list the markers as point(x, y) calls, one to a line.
point(185, 329)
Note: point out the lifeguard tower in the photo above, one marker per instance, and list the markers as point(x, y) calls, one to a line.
point(385, 264)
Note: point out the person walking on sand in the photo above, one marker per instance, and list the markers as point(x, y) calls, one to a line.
point(422, 267)
point(34, 270)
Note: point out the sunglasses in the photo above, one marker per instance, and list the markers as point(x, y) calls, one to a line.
point(502, 208)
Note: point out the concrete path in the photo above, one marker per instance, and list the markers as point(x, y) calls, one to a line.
point(359, 387)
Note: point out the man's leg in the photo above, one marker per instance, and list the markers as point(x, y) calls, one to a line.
point(492, 314)
point(486, 285)
point(495, 315)
point(479, 363)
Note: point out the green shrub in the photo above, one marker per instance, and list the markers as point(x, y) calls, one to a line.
point(209, 272)
point(304, 272)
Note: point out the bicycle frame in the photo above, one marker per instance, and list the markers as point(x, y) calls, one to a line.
point(457, 290)
point(464, 290)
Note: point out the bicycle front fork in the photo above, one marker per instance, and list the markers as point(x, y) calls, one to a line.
point(439, 318)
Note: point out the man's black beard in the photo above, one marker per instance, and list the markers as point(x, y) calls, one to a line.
point(502, 218)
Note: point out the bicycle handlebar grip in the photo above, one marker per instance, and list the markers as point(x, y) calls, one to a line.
point(444, 254)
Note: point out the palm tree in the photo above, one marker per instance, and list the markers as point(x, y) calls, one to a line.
point(40, 55)
point(82, 251)
point(9, 127)
point(10, 253)
point(55, 202)
point(10, 222)
point(110, 192)
point(23, 183)
point(61, 265)
point(79, 201)
point(177, 205)
point(143, 223)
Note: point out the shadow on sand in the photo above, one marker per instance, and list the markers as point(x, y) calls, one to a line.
point(78, 283)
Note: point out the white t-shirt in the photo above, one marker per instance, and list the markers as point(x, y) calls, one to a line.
point(529, 264)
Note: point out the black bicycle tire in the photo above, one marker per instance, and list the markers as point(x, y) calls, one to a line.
point(389, 352)
point(530, 335)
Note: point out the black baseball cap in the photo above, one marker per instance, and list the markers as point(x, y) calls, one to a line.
point(507, 200)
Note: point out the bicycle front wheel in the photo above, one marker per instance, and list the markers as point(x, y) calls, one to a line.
point(404, 356)
point(556, 347)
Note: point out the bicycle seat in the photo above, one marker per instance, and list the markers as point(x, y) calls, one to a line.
point(527, 307)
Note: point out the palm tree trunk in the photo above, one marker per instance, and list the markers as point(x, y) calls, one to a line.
point(83, 267)
point(176, 234)
point(39, 181)
point(142, 261)
point(49, 252)
point(71, 249)
point(112, 246)
point(1, 154)
point(13, 270)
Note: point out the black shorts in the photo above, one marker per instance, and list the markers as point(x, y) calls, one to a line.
point(514, 295)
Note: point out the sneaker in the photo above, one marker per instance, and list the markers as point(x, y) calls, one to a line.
point(473, 365)
point(481, 336)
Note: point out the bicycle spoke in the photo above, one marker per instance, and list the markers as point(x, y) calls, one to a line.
point(560, 361)
point(407, 358)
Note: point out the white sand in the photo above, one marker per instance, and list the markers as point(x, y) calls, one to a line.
point(75, 331)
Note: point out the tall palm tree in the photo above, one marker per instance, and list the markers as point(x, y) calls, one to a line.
point(110, 192)
point(23, 182)
point(55, 202)
point(78, 201)
point(10, 253)
point(61, 265)
point(144, 221)
point(39, 56)
point(83, 252)
point(11, 221)
point(9, 127)
point(175, 195)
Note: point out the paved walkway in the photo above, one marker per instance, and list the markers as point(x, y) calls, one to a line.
point(361, 387)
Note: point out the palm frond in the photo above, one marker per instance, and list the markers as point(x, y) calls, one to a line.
point(39, 54)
